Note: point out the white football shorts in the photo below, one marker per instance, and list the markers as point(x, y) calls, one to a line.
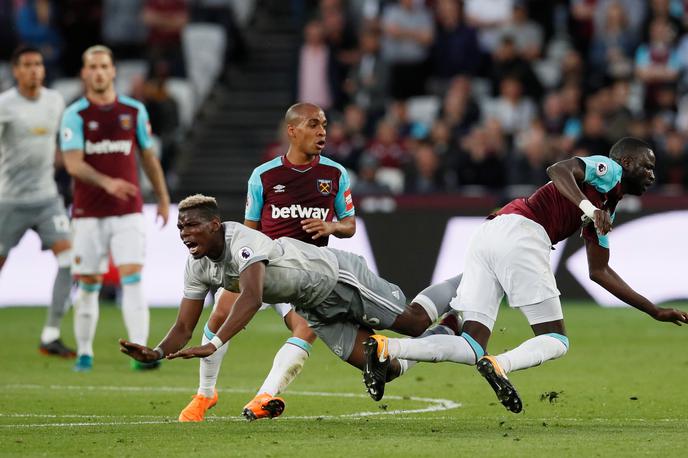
point(123, 237)
point(510, 255)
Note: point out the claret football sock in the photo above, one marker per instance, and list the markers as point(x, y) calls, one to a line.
point(287, 364)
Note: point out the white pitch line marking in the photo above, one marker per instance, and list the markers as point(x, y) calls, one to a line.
point(437, 405)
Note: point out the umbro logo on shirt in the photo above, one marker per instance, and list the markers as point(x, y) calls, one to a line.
point(93, 125)
point(279, 188)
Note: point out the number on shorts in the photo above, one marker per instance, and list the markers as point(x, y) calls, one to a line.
point(61, 223)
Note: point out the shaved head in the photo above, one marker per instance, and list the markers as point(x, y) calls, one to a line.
point(300, 111)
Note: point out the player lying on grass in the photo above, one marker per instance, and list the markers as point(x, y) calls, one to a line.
point(334, 290)
point(509, 254)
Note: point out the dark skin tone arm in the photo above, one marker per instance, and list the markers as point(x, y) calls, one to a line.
point(567, 176)
point(180, 333)
point(602, 274)
point(341, 229)
point(246, 306)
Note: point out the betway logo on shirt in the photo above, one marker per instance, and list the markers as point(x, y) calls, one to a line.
point(297, 211)
point(108, 147)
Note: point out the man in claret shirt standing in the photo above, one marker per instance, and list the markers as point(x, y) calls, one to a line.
point(99, 137)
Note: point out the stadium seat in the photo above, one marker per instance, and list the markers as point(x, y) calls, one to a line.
point(243, 11)
point(70, 88)
point(126, 71)
point(204, 49)
point(394, 178)
point(181, 90)
point(423, 109)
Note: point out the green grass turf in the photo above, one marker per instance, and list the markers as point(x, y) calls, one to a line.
point(619, 392)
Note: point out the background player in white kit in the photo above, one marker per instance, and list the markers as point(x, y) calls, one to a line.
point(100, 135)
point(29, 120)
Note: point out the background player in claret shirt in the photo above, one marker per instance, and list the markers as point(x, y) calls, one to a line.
point(29, 120)
point(340, 298)
point(100, 134)
point(510, 254)
point(296, 195)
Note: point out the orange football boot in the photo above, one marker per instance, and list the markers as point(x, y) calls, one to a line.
point(196, 409)
point(263, 406)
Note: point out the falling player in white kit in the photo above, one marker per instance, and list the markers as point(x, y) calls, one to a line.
point(29, 119)
point(340, 298)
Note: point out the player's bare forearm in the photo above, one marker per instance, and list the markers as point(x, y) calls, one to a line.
point(153, 170)
point(566, 175)
point(345, 228)
point(247, 304)
point(182, 330)
point(79, 169)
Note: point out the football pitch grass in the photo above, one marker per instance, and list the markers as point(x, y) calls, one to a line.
point(620, 391)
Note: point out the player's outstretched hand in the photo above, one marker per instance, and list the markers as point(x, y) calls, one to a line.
point(121, 189)
point(671, 315)
point(317, 227)
point(194, 352)
point(603, 222)
point(163, 212)
point(138, 352)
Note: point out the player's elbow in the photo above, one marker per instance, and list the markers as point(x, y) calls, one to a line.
point(597, 275)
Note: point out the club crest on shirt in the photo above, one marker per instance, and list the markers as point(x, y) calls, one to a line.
point(601, 169)
point(324, 186)
point(125, 121)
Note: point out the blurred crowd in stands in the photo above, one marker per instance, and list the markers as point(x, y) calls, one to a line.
point(422, 96)
point(427, 96)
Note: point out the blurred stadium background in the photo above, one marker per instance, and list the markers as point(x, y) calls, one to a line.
point(441, 109)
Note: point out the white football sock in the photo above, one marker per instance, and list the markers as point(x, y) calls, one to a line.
point(49, 334)
point(86, 317)
point(287, 364)
point(433, 348)
point(533, 352)
point(135, 309)
point(209, 367)
point(406, 364)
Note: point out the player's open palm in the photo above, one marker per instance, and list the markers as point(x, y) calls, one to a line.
point(194, 352)
point(317, 227)
point(138, 352)
point(671, 315)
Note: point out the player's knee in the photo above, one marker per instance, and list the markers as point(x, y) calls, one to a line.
point(414, 321)
point(303, 332)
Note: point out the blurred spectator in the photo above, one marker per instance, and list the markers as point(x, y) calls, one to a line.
point(8, 35)
point(424, 175)
point(511, 109)
point(366, 84)
point(455, 49)
point(479, 163)
point(506, 61)
point(340, 34)
point(582, 23)
point(531, 158)
point(635, 11)
point(123, 29)
point(339, 147)
point(672, 164)
point(80, 27)
point(527, 34)
point(661, 9)
point(37, 26)
point(573, 69)
point(408, 33)
point(165, 20)
point(459, 110)
point(657, 61)
point(488, 17)
point(617, 115)
point(356, 125)
point(612, 46)
point(366, 183)
point(317, 80)
point(386, 146)
point(553, 114)
point(279, 146)
point(593, 140)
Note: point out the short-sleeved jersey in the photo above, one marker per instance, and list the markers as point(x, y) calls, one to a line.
point(559, 216)
point(281, 194)
point(109, 136)
point(297, 273)
point(28, 137)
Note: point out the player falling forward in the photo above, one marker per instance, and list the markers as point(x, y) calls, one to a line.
point(334, 290)
point(296, 195)
point(29, 119)
point(99, 135)
point(509, 254)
